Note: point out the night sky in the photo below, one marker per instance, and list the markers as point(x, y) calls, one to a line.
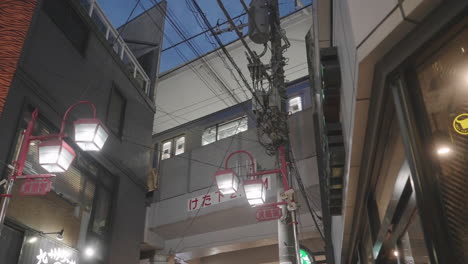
point(118, 12)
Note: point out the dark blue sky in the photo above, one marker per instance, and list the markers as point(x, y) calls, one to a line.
point(118, 12)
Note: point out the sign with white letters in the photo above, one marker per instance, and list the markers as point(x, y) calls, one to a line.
point(39, 249)
point(56, 256)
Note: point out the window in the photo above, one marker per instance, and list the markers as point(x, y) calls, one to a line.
point(209, 136)
point(116, 112)
point(166, 150)
point(295, 104)
point(180, 145)
point(167, 147)
point(224, 130)
point(68, 20)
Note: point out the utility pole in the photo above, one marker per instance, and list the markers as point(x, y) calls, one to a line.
point(288, 244)
point(270, 107)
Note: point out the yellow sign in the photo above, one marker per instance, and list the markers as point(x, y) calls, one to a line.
point(460, 124)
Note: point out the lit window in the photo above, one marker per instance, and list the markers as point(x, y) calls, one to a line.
point(166, 150)
point(209, 136)
point(180, 145)
point(295, 104)
point(231, 128)
point(224, 130)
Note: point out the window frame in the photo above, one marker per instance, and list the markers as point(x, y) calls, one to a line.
point(301, 97)
point(172, 149)
point(116, 90)
point(216, 127)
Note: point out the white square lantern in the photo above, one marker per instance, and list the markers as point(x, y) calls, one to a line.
point(90, 134)
point(227, 181)
point(55, 155)
point(255, 191)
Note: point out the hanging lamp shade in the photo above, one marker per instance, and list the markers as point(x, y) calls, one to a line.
point(255, 191)
point(227, 181)
point(55, 155)
point(90, 134)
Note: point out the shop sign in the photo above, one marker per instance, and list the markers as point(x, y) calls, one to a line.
point(215, 198)
point(460, 124)
point(36, 187)
point(268, 213)
point(305, 257)
point(55, 256)
point(45, 250)
point(210, 199)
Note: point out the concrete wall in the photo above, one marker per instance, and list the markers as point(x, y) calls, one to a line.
point(191, 174)
point(52, 75)
point(364, 31)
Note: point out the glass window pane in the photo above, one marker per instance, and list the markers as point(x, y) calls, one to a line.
point(115, 112)
point(412, 243)
point(209, 136)
point(232, 128)
point(295, 104)
point(180, 145)
point(394, 157)
point(101, 211)
point(166, 150)
point(443, 79)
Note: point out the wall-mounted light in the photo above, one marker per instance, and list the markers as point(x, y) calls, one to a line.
point(443, 144)
point(89, 252)
point(32, 240)
point(395, 253)
point(59, 234)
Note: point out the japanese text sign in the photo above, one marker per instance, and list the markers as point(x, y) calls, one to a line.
point(210, 199)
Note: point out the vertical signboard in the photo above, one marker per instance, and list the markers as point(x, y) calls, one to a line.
point(44, 250)
point(15, 18)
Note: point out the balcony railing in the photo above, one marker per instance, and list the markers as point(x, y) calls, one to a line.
point(118, 44)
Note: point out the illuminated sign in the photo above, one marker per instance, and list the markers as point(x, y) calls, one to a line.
point(305, 257)
point(39, 249)
point(460, 124)
point(56, 256)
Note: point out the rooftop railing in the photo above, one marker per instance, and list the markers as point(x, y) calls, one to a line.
point(118, 44)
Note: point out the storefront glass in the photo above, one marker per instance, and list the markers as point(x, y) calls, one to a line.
point(412, 245)
point(443, 78)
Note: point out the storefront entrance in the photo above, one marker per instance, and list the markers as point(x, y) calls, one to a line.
point(11, 241)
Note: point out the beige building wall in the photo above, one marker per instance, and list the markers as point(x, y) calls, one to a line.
point(363, 31)
point(257, 255)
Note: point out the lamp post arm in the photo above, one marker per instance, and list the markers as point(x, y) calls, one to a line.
point(284, 168)
point(65, 116)
point(23, 153)
point(237, 152)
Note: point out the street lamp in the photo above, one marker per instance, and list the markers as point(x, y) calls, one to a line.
point(55, 155)
point(227, 181)
point(255, 191)
point(254, 188)
point(90, 134)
